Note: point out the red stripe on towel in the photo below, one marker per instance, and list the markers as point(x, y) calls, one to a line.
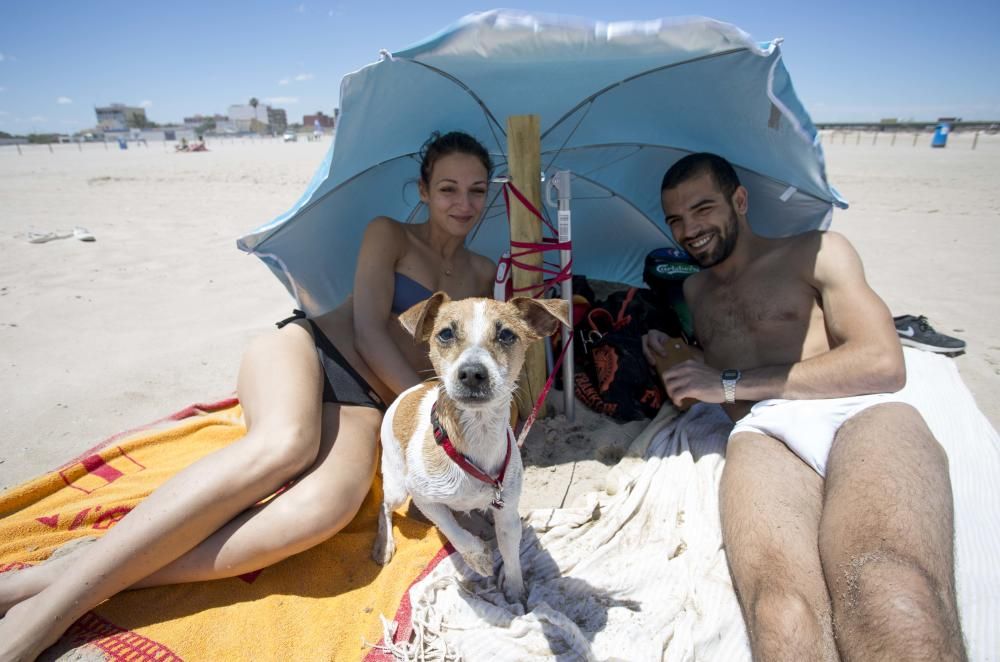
point(117, 643)
point(187, 412)
point(404, 615)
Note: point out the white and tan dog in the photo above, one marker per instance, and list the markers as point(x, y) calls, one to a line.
point(447, 443)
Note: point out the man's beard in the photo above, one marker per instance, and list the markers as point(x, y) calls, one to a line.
point(725, 246)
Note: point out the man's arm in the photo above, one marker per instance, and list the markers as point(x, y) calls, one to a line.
point(865, 355)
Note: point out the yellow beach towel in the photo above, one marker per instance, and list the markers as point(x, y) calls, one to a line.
point(322, 604)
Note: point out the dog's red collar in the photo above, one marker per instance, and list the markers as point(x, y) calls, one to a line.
point(467, 465)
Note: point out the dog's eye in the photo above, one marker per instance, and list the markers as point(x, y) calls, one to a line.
point(446, 335)
point(507, 337)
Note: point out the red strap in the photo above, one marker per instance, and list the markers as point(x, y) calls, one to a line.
point(509, 185)
point(622, 320)
point(558, 276)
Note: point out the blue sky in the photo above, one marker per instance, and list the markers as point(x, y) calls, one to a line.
point(850, 61)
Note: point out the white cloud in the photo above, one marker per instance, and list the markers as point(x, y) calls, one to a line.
point(63, 101)
point(145, 103)
point(283, 81)
point(37, 118)
point(302, 77)
point(281, 100)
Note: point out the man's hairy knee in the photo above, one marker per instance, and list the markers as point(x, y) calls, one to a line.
point(887, 589)
point(784, 614)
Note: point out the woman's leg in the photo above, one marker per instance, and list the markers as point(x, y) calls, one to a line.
point(320, 503)
point(279, 387)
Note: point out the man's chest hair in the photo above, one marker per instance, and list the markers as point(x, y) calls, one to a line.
point(754, 308)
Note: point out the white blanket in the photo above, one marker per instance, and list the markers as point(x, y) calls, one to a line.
point(642, 575)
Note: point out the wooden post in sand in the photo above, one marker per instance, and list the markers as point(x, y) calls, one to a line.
point(916, 134)
point(525, 167)
point(975, 139)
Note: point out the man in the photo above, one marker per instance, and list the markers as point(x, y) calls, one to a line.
point(835, 500)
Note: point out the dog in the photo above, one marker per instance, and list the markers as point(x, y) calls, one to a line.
point(447, 443)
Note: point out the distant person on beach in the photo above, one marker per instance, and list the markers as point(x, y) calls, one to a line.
point(836, 502)
point(313, 394)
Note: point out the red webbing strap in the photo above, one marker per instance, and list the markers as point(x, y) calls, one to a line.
point(509, 186)
point(558, 276)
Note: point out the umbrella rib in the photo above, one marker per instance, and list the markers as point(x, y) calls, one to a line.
point(468, 90)
point(626, 201)
point(642, 146)
point(315, 201)
point(592, 97)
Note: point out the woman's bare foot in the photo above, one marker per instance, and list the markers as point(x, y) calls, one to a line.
point(19, 585)
point(26, 631)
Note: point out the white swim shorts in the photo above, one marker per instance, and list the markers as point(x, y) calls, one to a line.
point(807, 427)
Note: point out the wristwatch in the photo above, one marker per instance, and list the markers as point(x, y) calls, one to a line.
point(729, 378)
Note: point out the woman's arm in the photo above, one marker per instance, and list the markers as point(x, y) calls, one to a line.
point(374, 286)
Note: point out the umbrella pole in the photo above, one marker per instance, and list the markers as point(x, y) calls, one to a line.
point(561, 183)
point(524, 162)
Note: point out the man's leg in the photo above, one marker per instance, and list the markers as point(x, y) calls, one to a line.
point(770, 503)
point(886, 540)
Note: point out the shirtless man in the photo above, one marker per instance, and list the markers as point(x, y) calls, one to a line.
point(835, 499)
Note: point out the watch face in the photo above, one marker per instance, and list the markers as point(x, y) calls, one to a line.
point(730, 374)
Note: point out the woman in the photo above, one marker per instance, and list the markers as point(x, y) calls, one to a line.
point(312, 421)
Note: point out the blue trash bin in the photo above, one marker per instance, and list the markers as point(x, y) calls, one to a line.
point(941, 132)
point(122, 144)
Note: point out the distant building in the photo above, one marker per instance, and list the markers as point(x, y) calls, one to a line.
point(198, 120)
point(278, 120)
point(244, 117)
point(119, 117)
point(325, 121)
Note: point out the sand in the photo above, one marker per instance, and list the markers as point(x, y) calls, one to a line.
point(99, 337)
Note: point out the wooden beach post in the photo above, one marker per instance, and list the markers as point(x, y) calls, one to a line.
point(525, 167)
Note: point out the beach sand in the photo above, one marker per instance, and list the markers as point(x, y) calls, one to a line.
point(97, 338)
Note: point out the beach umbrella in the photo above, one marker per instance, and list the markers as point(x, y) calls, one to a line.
point(618, 104)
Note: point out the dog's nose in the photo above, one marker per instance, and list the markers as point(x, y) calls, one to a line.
point(473, 375)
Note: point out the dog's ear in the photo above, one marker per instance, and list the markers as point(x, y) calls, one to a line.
point(419, 319)
point(543, 316)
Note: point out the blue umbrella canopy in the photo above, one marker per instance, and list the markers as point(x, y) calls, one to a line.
point(618, 103)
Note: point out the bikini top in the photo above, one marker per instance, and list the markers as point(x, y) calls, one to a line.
point(407, 293)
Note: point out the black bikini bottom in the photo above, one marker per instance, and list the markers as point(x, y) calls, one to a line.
point(341, 382)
